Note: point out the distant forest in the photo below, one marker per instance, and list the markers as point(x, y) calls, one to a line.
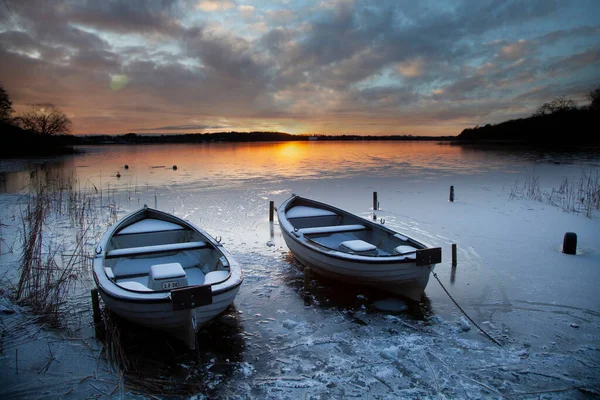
point(216, 137)
point(556, 123)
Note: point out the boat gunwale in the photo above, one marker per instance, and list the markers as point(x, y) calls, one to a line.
point(310, 244)
point(233, 280)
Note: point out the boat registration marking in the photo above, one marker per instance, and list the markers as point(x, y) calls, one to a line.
point(170, 285)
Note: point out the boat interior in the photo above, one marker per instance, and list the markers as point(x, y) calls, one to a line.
point(156, 255)
point(347, 233)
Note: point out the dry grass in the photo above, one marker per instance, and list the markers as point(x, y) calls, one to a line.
point(58, 221)
point(576, 196)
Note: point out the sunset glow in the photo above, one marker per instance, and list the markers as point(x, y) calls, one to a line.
point(327, 67)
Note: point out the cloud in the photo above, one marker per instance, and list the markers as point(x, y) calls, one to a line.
point(246, 11)
point(181, 128)
point(293, 61)
point(215, 5)
point(281, 17)
point(411, 68)
point(515, 50)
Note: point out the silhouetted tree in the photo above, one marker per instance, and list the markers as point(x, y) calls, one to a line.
point(595, 99)
point(5, 105)
point(560, 103)
point(45, 120)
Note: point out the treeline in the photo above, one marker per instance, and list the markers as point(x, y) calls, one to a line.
point(557, 123)
point(232, 136)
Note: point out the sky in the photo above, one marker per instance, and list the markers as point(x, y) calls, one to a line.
point(427, 68)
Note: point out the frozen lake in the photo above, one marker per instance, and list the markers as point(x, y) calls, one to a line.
point(287, 338)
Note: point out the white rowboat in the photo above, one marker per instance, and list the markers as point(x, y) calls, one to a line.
point(349, 248)
point(159, 271)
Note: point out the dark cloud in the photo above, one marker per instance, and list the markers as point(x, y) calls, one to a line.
point(181, 128)
point(392, 60)
point(126, 16)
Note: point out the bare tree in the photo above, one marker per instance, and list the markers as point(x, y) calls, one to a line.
point(560, 103)
point(45, 119)
point(5, 105)
point(595, 99)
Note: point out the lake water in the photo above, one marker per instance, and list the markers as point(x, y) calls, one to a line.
point(283, 339)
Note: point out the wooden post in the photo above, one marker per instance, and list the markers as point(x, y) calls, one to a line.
point(454, 255)
point(96, 309)
point(271, 208)
point(375, 202)
point(570, 243)
point(452, 193)
point(307, 278)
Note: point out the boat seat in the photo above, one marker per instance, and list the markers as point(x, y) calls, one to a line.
point(149, 225)
point(332, 229)
point(358, 247)
point(161, 248)
point(167, 276)
point(303, 211)
point(405, 250)
point(215, 277)
point(133, 285)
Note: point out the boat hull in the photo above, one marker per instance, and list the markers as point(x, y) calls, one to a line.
point(314, 247)
point(183, 324)
point(402, 279)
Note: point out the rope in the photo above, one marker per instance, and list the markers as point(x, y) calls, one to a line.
point(463, 311)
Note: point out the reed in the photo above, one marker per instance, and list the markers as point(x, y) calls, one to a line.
point(58, 219)
point(576, 196)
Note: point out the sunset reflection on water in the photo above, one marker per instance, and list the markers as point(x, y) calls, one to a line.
point(232, 164)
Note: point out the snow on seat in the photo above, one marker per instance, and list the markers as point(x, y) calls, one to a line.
point(161, 248)
point(358, 246)
point(303, 211)
point(166, 271)
point(167, 276)
point(150, 225)
point(332, 229)
point(215, 277)
point(133, 285)
point(405, 250)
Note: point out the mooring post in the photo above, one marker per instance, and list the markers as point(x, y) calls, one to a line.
point(454, 263)
point(96, 309)
point(271, 209)
point(375, 202)
point(452, 193)
point(307, 278)
point(570, 243)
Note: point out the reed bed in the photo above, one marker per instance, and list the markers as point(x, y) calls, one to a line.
point(58, 222)
point(576, 196)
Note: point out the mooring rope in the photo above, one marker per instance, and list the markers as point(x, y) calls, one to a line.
point(463, 311)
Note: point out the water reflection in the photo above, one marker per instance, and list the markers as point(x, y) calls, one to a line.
point(323, 292)
point(51, 174)
point(156, 363)
point(228, 165)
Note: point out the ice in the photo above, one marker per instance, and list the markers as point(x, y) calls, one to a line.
point(288, 337)
point(391, 304)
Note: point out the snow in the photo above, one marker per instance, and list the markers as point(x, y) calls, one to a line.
point(357, 245)
point(332, 229)
point(150, 225)
point(304, 211)
point(290, 337)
